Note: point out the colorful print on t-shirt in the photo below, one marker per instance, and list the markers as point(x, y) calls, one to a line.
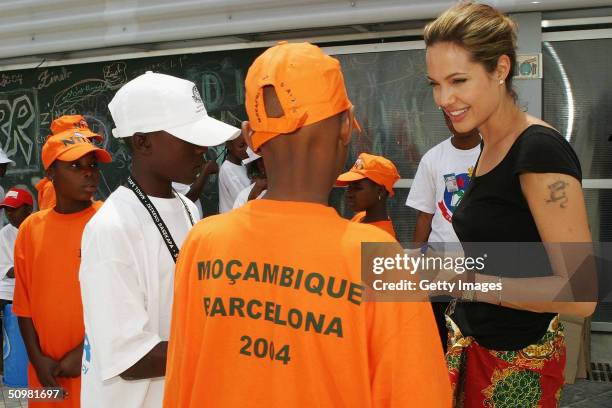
point(455, 186)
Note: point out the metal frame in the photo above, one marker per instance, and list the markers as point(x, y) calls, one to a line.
point(601, 326)
point(568, 22)
point(378, 47)
point(236, 46)
point(577, 35)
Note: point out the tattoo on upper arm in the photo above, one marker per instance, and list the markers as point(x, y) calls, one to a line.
point(558, 193)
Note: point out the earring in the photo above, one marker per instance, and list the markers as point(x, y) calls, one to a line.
point(439, 107)
point(379, 197)
point(501, 81)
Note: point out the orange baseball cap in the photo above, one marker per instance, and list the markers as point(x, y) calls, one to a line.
point(71, 145)
point(71, 122)
point(376, 168)
point(309, 85)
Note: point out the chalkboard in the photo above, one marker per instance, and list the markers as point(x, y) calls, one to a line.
point(31, 99)
point(393, 104)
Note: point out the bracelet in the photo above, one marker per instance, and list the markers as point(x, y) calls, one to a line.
point(469, 294)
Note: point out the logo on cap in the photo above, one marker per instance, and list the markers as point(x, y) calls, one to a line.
point(358, 165)
point(196, 95)
point(74, 139)
point(12, 193)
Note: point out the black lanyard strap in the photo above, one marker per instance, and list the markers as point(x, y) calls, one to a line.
point(157, 220)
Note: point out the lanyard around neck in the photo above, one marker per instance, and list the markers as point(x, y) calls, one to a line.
point(156, 217)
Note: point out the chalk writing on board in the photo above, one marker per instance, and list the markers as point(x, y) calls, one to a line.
point(213, 90)
point(48, 77)
point(165, 66)
point(10, 79)
point(17, 116)
point(72, 95)
point(45, 118)
point(114, 74)
point(120, 153)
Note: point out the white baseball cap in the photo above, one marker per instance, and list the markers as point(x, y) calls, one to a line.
point(252, 157)
point(4, 158)
point(154, 102)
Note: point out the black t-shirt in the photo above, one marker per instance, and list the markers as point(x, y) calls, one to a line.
point(494, 209)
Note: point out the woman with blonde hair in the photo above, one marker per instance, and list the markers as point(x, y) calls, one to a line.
point(526, 187)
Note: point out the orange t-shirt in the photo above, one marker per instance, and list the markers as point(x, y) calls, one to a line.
point(383, 225)
point(46, 194)
point(268, 312)
point(47, 260)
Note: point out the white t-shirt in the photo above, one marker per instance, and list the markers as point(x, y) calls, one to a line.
point(232, 180)
point(243, 196)
point(126, 277)
point(184, 189)
point(8, 235)
point(439, 184)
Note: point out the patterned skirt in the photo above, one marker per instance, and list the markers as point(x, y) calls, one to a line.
point(527, 378)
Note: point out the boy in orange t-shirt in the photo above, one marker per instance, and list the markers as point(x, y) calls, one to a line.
point(47, 296)
point(370, 181)
point(269, 306)
point(46, 191)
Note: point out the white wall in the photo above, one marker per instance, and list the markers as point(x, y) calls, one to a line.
point(529, 42)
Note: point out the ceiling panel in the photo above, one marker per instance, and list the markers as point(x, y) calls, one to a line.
point(41, 27)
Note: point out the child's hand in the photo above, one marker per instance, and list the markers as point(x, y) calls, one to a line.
point(210, 167)
point(261, 184)
point(70, 364)
point(45, 368)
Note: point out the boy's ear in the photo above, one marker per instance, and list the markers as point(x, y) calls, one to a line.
point(141, 143)
point(247, 133)
point(346, 126)
point(50, 172)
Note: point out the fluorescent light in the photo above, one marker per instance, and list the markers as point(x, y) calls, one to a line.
point(569, 95)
